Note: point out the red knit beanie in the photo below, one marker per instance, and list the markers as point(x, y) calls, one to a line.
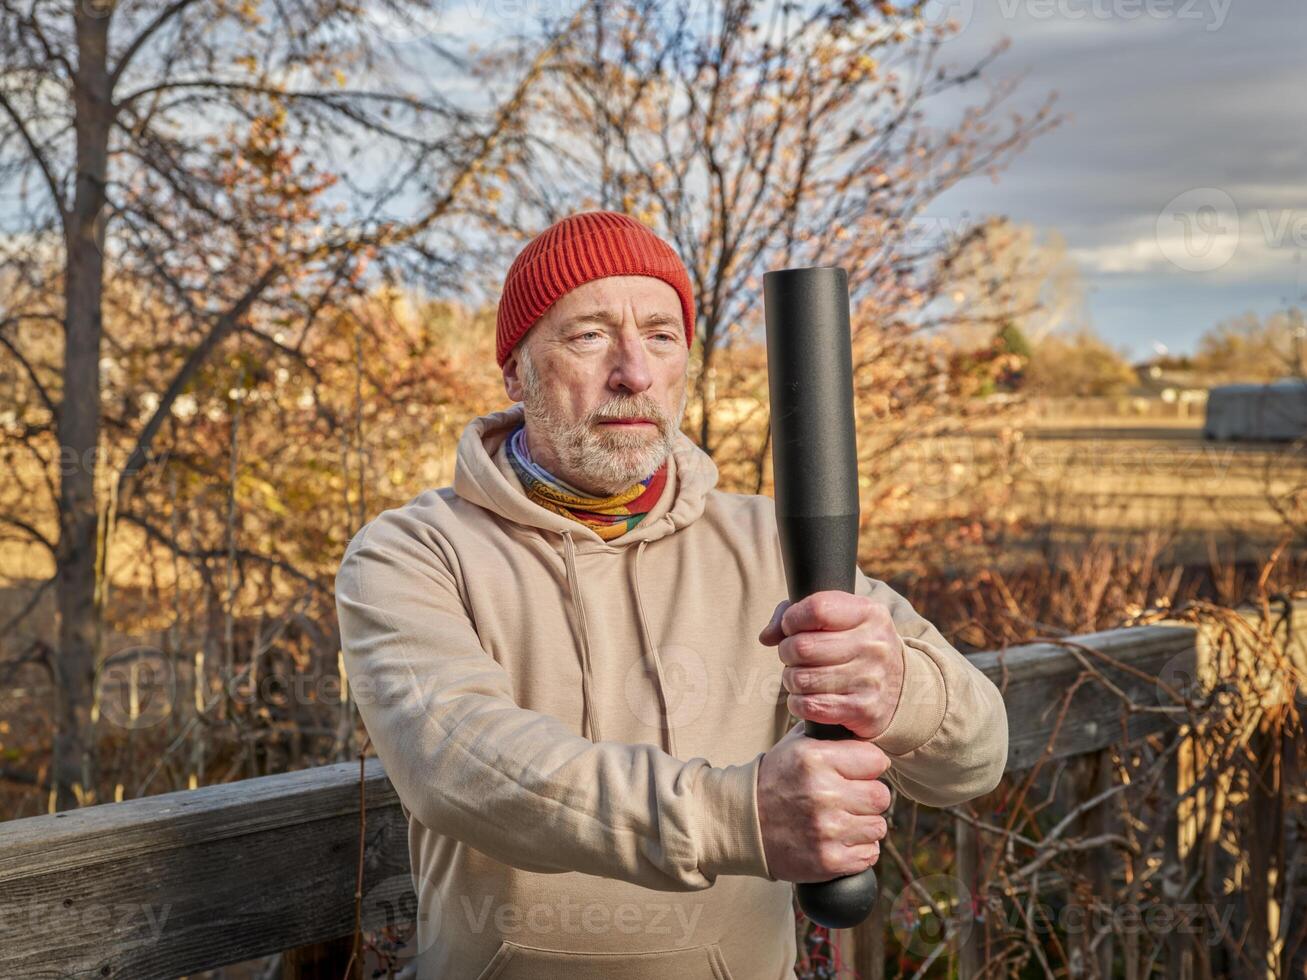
point(574, 250)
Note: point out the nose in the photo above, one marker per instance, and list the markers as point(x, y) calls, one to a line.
point(630, 370)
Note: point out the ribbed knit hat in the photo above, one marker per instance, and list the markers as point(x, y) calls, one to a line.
point(576, 249)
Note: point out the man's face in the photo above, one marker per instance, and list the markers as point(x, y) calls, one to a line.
point(603, 378)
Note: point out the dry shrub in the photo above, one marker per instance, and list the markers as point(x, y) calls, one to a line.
point(1175, 852)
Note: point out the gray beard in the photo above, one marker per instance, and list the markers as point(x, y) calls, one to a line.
point(600, 460)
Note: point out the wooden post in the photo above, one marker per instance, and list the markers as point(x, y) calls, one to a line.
point(1266, 865)
point(865, 950)
point(322, 961)
point(1091, 775)
point(1179, 951)
point(1296, 929)
point(970, 922)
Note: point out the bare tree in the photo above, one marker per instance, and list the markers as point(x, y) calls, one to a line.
point(763, 136)
point(186, 172)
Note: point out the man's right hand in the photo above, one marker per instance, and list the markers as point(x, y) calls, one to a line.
point(820, 804)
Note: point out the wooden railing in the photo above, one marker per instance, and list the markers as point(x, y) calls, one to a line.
point(172, 884)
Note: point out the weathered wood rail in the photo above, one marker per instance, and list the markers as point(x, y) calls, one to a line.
point(187, 881)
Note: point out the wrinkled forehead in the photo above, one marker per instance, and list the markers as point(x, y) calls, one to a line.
point(611, 299)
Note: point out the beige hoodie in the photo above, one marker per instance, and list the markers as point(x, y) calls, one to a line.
point(575, 726)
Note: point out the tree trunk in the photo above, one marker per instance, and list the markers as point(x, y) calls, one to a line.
point(79, 419)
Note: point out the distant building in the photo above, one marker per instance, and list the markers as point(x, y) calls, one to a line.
point(1170, 380)
point(1273, 411)
point(1167, 379)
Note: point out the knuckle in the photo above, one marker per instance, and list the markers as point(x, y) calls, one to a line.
point(808, 763)
point(831, 857)
point(803, 645)
point(824, 827)
point(874, 756)
point(868, 641)
point(877, 612)
point(817, 706)
point(823, 605)
point(880, 796)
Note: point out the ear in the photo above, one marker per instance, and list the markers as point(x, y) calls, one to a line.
point(512, 380)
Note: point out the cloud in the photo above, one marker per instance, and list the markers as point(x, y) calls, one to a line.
point(1158, 106)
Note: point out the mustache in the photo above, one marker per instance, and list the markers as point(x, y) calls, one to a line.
point(630, 407)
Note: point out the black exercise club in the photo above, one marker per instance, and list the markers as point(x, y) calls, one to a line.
point(815, 461)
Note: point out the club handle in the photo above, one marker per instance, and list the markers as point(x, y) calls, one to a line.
point(822, 555)
point(815, 462)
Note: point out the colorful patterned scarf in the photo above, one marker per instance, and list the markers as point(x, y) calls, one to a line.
point(609, 517)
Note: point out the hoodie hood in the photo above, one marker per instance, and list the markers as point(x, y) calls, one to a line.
point(484, 476)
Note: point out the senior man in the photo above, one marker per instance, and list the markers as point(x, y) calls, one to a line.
point(562, 662)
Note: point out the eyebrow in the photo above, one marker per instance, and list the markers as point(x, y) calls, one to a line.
point(604, 316)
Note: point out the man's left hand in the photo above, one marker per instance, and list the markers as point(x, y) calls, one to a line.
point(843, 660)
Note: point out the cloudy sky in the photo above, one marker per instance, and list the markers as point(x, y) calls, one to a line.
point(1180, 179)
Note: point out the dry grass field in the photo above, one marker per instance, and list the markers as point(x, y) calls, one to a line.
point(1058, 480)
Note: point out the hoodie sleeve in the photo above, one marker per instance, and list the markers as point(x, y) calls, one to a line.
point(947, 739)
point(519, 785)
